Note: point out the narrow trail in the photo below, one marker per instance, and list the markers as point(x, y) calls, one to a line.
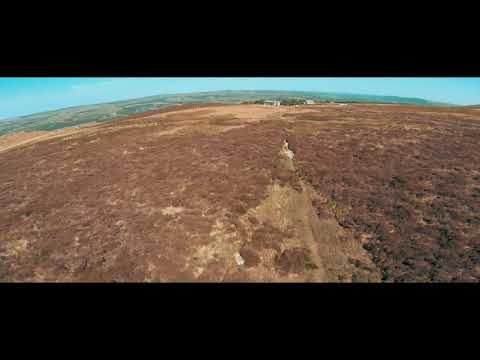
point(306, 219)
point(332, 251)
point(311, 241)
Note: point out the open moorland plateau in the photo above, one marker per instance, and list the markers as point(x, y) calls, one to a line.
point(249, 193)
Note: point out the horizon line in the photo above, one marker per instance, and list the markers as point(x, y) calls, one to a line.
point(226, 90)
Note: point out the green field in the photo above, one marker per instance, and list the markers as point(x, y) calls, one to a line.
point(76, 116)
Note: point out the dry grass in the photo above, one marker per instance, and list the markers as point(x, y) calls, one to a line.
point(373, 191)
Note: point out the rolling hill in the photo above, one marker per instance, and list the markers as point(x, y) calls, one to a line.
point(246, 193)
point(77, 116)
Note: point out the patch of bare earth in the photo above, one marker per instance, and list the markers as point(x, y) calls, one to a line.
point(11, 140)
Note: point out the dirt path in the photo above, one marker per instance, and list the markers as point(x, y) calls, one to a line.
point(332, 252)
point(312, 234)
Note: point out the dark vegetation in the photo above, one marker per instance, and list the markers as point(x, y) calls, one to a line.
point(402, 180)
point(405, 184)
point(294, 260)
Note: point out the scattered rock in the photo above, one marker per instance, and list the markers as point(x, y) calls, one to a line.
point(239, 259)
point(172, 210)
point(286, 151)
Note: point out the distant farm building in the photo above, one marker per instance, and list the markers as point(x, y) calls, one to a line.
point(271, 103)
point(309, 102)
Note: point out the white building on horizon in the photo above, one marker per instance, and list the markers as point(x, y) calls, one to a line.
point(271, 103)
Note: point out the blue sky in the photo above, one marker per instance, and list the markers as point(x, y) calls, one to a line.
point(22, 96)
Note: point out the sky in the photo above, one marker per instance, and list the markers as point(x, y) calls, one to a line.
point(23, 96)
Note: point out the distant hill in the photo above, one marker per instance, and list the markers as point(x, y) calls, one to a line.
point(75, 116)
